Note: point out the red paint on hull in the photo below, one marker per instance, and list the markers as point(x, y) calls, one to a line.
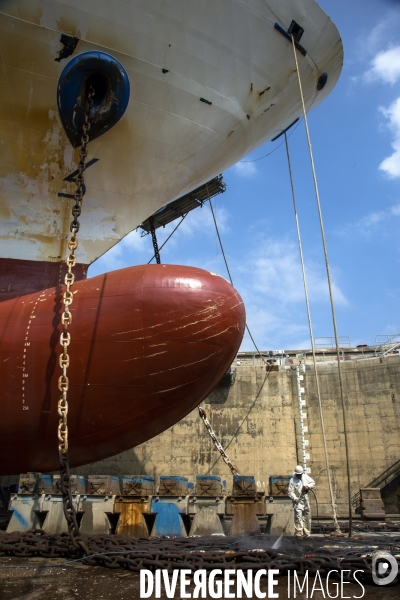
point(19, 277)
point(149, 343)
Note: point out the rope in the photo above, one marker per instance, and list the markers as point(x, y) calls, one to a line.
point(334, 514)
point(229, 273)
point(337, 528)
point(292, 130)
point(329, 286)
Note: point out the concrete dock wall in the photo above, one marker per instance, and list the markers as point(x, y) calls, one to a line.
point(257, 420)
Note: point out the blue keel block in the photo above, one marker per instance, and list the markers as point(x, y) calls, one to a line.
point(168, 513)
point(170, 506)
point(111, 86)
point(25, 512)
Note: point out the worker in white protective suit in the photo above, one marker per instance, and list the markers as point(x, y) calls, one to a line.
point(299, 485)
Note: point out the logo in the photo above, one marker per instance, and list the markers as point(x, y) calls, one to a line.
point(384, 568)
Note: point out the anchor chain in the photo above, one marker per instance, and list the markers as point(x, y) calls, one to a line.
point(65, 338)
point(217, 444)
point(123, 552)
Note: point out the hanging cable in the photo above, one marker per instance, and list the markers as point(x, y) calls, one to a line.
point(329, 286)
point(239, 427)
point(281, 144)
point(229, 273)
point(170, 235)
point(333, 504)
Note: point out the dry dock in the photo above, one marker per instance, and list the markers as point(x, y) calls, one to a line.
point(255, 415)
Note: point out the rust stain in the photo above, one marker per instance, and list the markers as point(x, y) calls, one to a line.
point(29, 11)
point(69, 25)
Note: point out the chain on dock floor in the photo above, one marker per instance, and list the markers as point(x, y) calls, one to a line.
point(55, 570)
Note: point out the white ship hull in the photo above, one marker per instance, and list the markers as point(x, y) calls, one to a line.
point(168, 141)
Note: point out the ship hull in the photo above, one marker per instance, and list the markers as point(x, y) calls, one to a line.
point(209, 82)
point(148, 344)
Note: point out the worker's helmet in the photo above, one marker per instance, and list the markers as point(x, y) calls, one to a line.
point(299, 470)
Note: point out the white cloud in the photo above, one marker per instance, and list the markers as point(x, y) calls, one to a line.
point(369, 224)
point(276, 274)
point(395, 210)
point(201, 220)
point(271, 285)
point(134, 241)
point(391, 165)
point(121, 255)
point(245, 169)
point(385, 66)
point(385, 32)
point(272, 329)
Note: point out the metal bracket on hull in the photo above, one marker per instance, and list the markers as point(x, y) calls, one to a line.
point(289, 37)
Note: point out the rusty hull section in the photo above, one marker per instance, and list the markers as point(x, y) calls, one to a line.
point(148, 344)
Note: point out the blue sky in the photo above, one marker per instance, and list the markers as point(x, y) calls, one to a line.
point(355, 135)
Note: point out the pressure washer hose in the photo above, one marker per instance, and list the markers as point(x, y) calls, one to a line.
point(316, 501)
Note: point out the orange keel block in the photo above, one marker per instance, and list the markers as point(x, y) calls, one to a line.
point(148, 344)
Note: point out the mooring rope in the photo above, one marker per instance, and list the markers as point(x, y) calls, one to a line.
point(334, 513)
point(229, 273)
point(329, 285)
point(170, 235)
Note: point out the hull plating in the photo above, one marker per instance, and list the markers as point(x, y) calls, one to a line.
point(148, 345)
point(168, 142)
